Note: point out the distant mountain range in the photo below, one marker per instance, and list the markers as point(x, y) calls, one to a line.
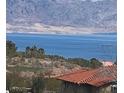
point(74, 13)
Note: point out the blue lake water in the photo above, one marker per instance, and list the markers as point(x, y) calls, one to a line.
point(101, 46)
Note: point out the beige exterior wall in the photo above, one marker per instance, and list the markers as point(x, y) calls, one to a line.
point(75, 88)
point(105, 89)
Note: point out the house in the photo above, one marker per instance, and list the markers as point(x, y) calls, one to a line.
point(107, 63)
point(100, 80)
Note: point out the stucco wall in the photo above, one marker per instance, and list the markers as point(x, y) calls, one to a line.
point(105, 89)
point(75, 88)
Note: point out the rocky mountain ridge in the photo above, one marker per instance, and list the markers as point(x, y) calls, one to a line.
point(73, 13)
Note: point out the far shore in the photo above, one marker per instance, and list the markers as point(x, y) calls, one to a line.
point(63, 34)
point(38, 28)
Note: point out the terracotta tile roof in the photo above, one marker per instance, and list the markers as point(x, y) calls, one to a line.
point(100, 81)
point(95, 77)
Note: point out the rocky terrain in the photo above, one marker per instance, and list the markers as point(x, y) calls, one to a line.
point(28, 67)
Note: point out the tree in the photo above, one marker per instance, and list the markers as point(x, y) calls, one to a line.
point(79, 61)
point(94, 63)
point(38, 85)
point(10, 49)
point(41, 52)
point(27, 51)
point(34, 52)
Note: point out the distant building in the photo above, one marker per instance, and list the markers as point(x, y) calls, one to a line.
point(107, 63)
point(101, 80)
